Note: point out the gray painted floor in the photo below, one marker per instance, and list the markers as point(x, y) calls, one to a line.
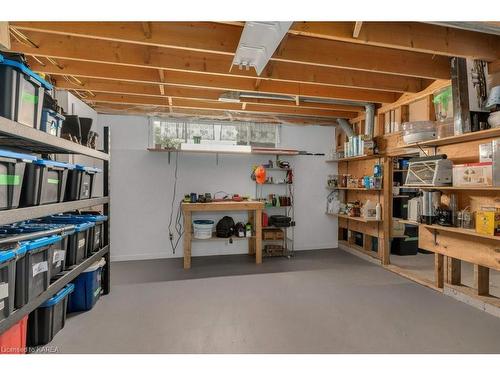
point(324, 301)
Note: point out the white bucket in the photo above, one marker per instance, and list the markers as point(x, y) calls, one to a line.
point(203, 229)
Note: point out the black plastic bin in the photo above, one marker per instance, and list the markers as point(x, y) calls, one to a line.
point(21, 93)
point(7, 282)
point(404, 246)
point(44, 182)
point(12, 167)
point(55, 254)
point(78, 244)
point(48, 319)
point(81, 182)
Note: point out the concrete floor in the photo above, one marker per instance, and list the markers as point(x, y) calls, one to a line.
point(324, 301)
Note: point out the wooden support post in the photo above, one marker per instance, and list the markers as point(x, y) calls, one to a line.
point(438, 270)
point(187, 239)
point(453, 271)
point(4, 36)
point(482, 280)
point(385, 251)
point(251, 242)
point(367, 242)
point(258, 236)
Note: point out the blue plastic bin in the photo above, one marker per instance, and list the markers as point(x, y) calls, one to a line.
point(12, 167)
point(51, 122)
point(88, 288)
point(48, 319)
point(7, 282)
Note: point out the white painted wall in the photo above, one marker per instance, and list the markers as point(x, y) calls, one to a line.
point(142, 184)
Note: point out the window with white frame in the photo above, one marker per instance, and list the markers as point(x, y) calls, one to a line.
point(163, 131)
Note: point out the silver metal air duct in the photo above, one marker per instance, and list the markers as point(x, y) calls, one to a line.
point(369, 119)
point(346, 127)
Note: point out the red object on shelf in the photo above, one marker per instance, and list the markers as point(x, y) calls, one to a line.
point(13, 341)
point(265, 220)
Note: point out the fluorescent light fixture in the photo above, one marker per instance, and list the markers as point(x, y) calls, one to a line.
point(230, 97)
point(206, 147)
point(258, 42)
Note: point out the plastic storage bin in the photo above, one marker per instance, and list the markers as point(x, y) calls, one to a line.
point(51, 122)
point(55, 255)
point(78, 244)
point(404, 246)
point(47, 320)
point(21, 93)
point(88, 288)
point(81, 183)
point(13, 341)
point(45, 182)
point(203, 228)
point(418, 131)
point(12, 167)
point(7, 282)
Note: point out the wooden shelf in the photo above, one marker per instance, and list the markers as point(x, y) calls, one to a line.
point(474, 136)
point(351, 188)
point(356, 158)
point(215, 238)
point(253, 152)
point(473, 188)
point(400, 170)
point(409, 222)
point(468, 232)
point(361, 219)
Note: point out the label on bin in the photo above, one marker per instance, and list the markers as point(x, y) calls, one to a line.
point(9, 179)
point(97, 292)
point(2, 304)
point(81, 243)
point(59, 255)
point(40, 267)
point(53, 181)
point(4, 290)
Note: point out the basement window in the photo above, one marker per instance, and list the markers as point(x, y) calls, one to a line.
point(218, 133)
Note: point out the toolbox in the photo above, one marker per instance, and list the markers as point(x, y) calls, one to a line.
point(81, 182)
point(44, 182)
point(88, 288)
point(12, 167)
point(48, 319)
point(21, 92)
point(7, 282)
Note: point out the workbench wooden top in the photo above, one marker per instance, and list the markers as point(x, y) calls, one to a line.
point(223, 206)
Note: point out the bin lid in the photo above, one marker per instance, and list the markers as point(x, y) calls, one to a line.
point(96, 265)
point(59, 296)
point(18, 248)
point(42, 242)
point(92, 218)
point(67, 218)
point(88, 169)
point(54, 113)
point(39, 227)
point(27, 158)
point(23, 68)
point(83, 226)
point(52, 163)
point(6, 255)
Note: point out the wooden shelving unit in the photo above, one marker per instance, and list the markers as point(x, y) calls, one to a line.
point(468, 232)
point(355, 158)
point(352, 188)
point(355, 218)
point(468, 188)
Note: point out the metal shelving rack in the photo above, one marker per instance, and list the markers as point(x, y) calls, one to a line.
point(22, 137)
point(289, 237)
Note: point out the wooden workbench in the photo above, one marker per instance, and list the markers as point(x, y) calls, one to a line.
point(254, 209)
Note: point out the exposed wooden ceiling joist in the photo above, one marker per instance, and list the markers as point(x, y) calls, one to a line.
point(111, 74)
point(215, 105)
point(188, 61)
point(411, 36)
point(223, 39)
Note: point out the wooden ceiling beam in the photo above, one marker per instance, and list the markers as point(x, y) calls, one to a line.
point(409, 36)
point(222, 39)
point(132, 74)
point(215, 105)
point(81, 49)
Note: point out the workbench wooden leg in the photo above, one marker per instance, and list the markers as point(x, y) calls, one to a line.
point(258, 236)
point(251, 241)
point(453, 271)
point(438, 270)
point(482, 280)
point(187, 240)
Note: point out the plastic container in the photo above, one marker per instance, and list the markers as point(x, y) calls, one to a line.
point(51, 122)
point(21, 288)
point(48, 319)
point(12, 167)
point(56, 255)
point(44, 182)
point(203, 229)
point(71, 128)
point(21, 93)
point(13, 341)
point(39, 267)
point(419, 131)
point(443, 103)
point(78, 244)
point(445, 128)
point(404, 246)
point(7, 282)
point(81, 183)
point(88, 288)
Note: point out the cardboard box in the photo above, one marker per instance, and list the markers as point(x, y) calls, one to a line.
point(473, 174)
point(485, 152)
point(488, 222)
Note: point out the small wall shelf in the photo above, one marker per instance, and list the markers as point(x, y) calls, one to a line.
point(355, 218)
point(351, 188)
point(472, 188)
